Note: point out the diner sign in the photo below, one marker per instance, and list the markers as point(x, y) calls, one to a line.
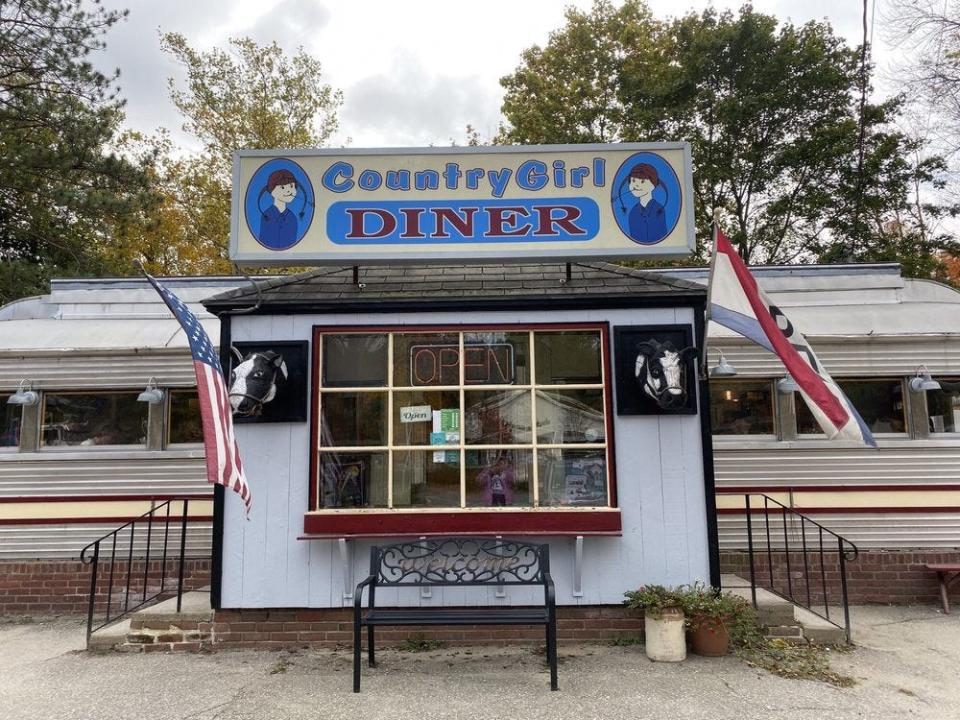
point(543, 202)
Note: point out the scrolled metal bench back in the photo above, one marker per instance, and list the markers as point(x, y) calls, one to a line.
point(460, 561)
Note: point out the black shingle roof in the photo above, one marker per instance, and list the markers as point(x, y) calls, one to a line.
point(393, 285)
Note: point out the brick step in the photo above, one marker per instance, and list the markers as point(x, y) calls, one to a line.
point(161, 628)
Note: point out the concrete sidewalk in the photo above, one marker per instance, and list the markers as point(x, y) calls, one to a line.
point(907, 664)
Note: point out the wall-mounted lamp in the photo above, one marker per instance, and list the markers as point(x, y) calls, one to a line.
point(24, 396)
point(152, 394)
point(787, 385)
point(722, 369)
point(922, 381)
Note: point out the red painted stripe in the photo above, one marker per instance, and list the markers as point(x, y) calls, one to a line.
point(584, 522)
point(118, 519)
point(842, 510)
point(103, 498)
point(757, 489)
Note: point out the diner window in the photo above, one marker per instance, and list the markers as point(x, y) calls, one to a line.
point(943, 406)
point(10, 416)
point(185, 423)
point(473, 419)
point(742, 407)
point(879, 402)
point(81, 419)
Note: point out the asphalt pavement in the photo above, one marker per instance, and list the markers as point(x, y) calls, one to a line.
point(906, 664)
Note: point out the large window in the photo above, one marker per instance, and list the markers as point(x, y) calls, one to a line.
point(475, 419)
point(742, 407)
point(185, 424)
point(944, 406)
point(879, 402)
point(9, 423)
point(114, 418)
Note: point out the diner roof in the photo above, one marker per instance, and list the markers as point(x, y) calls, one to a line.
point(466, 285)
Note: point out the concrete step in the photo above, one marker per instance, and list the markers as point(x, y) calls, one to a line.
point(778, 615)
point(109, 637)
point(160, 626)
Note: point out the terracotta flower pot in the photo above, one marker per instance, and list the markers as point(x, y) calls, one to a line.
point(710, 637)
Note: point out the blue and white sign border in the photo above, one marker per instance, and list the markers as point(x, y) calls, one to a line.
point(398, 254)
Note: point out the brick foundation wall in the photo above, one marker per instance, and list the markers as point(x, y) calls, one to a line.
point(876, 576)
point(278, 629)
point(41, 588)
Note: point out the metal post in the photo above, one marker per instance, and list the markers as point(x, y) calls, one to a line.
point(843, 588)
point(113, 561)
point(146, 562)
point(93, 589)
point(183, 549)
point(166, 536)
point(126, 597)
point(806, 564)
point(766, 518)
point(753, 569)
point(786, 553)
point(823, 577)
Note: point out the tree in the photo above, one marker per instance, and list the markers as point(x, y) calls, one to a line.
point(249, 96)
point(930, 33)
point(769, 109)
point(60, 185)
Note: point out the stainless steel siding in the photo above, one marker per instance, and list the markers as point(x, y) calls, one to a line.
point(64, 542)
point(76, 371)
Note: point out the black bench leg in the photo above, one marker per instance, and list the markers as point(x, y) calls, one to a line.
point(371, 659)
point(356, 655)
point(552, 653)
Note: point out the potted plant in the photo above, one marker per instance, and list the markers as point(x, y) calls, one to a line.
point(663, 620)
point(710, 617)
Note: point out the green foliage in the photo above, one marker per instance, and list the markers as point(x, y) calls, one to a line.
point(797, 662)
point(248, 96)
point(626, 640)
point(61, 186)
point(418, 643)
point(704, 605)
point(770, 110)
point(654, 599)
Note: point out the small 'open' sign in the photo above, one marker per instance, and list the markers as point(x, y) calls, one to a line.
point(416, 413)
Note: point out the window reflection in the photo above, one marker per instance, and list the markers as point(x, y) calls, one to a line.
point(93, 419)
point(9, 423)
point(879, 402)
point(741, 407)
point(186, 425)
point(943, 406)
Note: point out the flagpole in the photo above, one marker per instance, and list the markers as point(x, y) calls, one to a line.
point(706, 314)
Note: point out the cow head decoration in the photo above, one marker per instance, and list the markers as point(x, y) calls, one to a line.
point(254, 381)
point(661, 370)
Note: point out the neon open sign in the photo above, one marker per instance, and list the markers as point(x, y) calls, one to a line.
point(483, 364)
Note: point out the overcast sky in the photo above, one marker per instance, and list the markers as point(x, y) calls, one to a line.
point(413, 72)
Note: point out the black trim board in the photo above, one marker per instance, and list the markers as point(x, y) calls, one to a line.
point(706, 441)
point(216, 560)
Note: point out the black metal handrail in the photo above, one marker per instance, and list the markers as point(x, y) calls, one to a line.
point(92, 555)
point(825, 543)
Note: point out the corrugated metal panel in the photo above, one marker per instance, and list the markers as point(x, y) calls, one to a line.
point(876, 531)
point(854, 357)
point(907, 462)
point(29, 542)
point(163, 473)
point(76, 371)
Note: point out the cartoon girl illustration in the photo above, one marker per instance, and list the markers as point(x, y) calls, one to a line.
point(647, 221)
point(278, 223)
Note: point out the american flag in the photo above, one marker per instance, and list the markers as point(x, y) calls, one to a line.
point(223, 455)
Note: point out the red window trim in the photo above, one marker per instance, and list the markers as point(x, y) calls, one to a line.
point(456, 520)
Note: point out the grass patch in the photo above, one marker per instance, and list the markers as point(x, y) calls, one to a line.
point(626, 640)
point(418, 643)
point(280, 666)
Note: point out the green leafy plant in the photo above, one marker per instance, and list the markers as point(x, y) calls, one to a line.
point(704, 605)
point(655, 599)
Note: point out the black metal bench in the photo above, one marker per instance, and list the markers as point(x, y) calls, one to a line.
point(440, 562)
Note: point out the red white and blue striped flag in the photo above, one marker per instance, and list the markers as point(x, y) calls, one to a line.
point(223, 455)
point(734, 300)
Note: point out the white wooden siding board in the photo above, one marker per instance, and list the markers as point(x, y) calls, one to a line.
point(603, 577)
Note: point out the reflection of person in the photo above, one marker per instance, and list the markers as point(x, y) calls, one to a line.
point(278, 223)
point(647, 221)
point(351, 491)
point(497, 481)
